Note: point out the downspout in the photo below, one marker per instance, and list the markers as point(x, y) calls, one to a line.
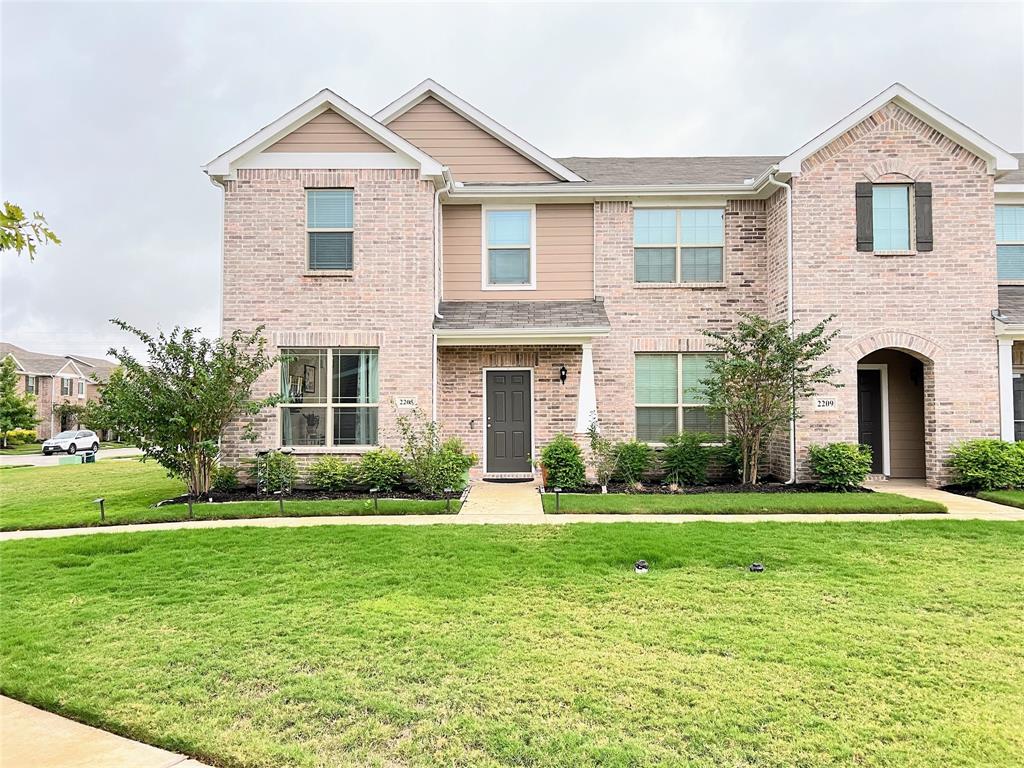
point(437, 243)
point(789, 303)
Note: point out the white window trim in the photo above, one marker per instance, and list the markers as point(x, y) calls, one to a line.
point(911, 248)
point(327, 407)
point(485, 278)
point(1007, 280)
point(883, 369)
point(65, 380)
point(81, 388)
point(352, 229)
point(679, 246)
point(33, 388)
point(679, 406)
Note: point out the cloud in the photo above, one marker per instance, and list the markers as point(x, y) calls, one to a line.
point(109, 110)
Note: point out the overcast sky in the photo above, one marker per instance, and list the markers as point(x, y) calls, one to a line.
point(109, 110)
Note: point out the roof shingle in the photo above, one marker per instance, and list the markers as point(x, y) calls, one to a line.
point(521, 315)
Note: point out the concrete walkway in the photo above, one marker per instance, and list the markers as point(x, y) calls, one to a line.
point(31, 737)
point(519, 504)
point(38, 460)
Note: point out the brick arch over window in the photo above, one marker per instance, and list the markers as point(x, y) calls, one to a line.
point(885, 170)
point(923, 349)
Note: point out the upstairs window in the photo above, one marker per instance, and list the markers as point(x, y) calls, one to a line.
point(1010, 241)
point(65, 387)
point(890, 214)
point(81, 387)
point(670, 398)
point(329, 218)
point(509, 252)
point(678, 245)
point(329, 397)
point(31, 385)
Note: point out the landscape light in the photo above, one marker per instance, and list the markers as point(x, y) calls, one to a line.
point(100, 502)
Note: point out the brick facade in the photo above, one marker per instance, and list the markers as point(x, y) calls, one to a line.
point(386, 302)
point(461, 396)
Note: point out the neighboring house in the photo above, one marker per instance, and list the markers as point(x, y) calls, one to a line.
point(56, 379)
point(427, 256)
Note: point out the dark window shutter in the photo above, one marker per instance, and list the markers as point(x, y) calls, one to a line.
point(865, 226)
point(923, 214)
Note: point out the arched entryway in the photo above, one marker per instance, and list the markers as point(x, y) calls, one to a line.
point(891, 396)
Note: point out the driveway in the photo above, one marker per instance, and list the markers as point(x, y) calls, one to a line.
point(38, 460)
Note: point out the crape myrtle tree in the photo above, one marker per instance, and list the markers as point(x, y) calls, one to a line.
point(763, 368)
point(176, 405)
point(17, 411)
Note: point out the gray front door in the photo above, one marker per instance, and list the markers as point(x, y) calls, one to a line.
point(508, 421)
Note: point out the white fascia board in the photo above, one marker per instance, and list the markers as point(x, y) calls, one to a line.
point(17, 363)
point(508, 193)
point(72, 364)
point(1012, 194)
point(223, 165)
point(429, 87)
point(998, 158)
point(449, 337)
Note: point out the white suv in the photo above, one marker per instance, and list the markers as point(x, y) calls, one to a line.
point(72, 442)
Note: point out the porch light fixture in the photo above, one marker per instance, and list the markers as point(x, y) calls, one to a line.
point(563, 373)
point(641, 566)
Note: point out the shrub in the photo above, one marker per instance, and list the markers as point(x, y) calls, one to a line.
point(685, 458)
point(280, 471)
point(19, 436)
point(381, 469)
point(988, 465)
point(602, 454)
point(563, 460)
point(632, 460)
point(330, 473)
point(225, 479)
point(432, 464)
point(841, 466)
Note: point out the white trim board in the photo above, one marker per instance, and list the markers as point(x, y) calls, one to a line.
point(998, 158)
point(883, 368)
point(485, 284)
point(533, 411)
point(429, 87)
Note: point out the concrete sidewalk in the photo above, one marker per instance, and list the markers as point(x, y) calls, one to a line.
point(34, 738)
point(38, 460)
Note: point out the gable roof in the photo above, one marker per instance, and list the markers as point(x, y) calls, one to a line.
point(429, 88)
point(998, 158)
point(222, 166)
point(42, 364)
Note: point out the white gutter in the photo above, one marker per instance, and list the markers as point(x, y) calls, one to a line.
point(789, 300)
point(438, 286)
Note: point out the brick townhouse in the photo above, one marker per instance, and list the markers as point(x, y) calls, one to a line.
point(428, 257)
point(56, 379)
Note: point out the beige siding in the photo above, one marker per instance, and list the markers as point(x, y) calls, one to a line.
point(471, 153)
point(328, 132)
point(565, 254)
point(906, 412)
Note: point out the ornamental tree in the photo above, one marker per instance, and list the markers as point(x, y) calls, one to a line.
point(17, 411)
point(762, 370)
point(176, 406)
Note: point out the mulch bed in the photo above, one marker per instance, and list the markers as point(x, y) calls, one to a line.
point(303, 494)
point(767, 487)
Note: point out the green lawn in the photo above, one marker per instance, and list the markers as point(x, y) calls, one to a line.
point(62, 496)
point(739, 503)
point(1009, 498)
point(894, 644)
point(31, 449)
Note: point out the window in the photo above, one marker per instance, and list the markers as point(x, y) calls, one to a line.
point(508, 248)
point(31, 385)
point(678, 246)
point(65, 387)
point(329, 217)
point(81, 387)
point(890, 216)
point(329, 397)
point(1010, 241)
point(670, 399)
